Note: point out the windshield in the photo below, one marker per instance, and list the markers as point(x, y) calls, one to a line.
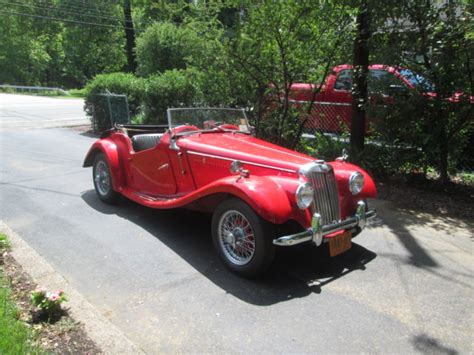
point(209, 119)
point(420, 82)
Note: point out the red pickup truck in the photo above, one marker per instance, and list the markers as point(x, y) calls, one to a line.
point(332, 108)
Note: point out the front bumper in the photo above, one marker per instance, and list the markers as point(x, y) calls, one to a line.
point(317, 232)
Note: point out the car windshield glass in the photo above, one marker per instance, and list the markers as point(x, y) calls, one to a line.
point(209, 119)
point(417, 80)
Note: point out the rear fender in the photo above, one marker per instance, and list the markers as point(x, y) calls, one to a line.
point(109, 149)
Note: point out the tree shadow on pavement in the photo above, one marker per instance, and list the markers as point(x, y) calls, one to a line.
point(402, 221)
point(397, 223)
point(413, 228)
point(297, 271)
point(428, 345)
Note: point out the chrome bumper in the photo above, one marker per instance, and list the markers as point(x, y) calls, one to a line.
point(317, 232)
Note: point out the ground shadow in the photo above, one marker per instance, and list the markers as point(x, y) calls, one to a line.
point(296, 272)
point(428, 345)
point(90, 133)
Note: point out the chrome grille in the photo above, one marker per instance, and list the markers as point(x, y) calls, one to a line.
point(326, 197)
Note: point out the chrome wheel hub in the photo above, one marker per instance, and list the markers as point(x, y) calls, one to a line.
point(102, 178)
point(236, 237)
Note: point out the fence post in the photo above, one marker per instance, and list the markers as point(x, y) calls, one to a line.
point(128, 110)
point(110, 111)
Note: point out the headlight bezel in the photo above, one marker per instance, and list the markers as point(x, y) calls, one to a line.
point(356, 183)
point(304, 195)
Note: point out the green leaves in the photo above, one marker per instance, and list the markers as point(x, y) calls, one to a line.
point(164, 46)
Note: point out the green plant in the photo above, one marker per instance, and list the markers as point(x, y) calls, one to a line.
point(324, 146)
point(173, 88)
point(96, 105)
point(48, 302)
point(165, 46)
point(4, 242)
point(15, 336)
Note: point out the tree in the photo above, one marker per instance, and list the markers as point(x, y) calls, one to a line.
point(433, 40)
point(165, 46)
point(275, 45)
point(361, 71)
point(130, 37)
point(59, 42)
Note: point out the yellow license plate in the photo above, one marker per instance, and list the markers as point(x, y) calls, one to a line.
point(340, 243)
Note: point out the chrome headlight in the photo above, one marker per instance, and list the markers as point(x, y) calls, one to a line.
point(304, 195)
point(356, 183)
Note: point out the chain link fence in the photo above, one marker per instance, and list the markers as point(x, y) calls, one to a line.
point(107, 110)
point(326, 117)
point(333, 120)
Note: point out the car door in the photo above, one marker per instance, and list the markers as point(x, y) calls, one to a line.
point(340, 112)
point(151, 172)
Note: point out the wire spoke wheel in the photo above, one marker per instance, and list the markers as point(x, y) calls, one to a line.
point(236, 237)
point(102, 178)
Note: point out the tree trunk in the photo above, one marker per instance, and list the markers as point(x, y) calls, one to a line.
point(359, 85)
point(130, 37)
point(443, 152)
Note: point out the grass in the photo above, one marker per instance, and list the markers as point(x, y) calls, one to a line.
point(4, 242)
point(77, 93)
point(15, 336)
point(73, 93)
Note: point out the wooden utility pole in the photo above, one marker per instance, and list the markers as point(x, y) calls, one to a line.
point(130, 36)
point(359, 84)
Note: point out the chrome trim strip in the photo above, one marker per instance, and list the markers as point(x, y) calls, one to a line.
point(242, 161)
point(320, 103)
point(317, 233)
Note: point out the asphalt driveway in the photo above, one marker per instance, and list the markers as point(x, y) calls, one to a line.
point(406, 285)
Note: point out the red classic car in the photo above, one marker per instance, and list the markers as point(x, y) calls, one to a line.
point(261, 195)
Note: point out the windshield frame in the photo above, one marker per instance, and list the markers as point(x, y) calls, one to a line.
point(244, 116)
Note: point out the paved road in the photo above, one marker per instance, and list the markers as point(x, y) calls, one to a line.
point(406, 286)
point(29, 111)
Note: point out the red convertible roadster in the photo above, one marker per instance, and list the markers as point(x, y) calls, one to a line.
point(261, 195)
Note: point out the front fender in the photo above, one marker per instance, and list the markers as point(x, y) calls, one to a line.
point(265, 195)
point(109, 149)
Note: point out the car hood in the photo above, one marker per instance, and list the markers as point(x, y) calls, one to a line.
point(246, 148)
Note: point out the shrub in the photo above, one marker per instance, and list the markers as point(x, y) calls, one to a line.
point(48, 303)
point(148, 98)
point(116, 83)
point(164, 46)
point(173, 88)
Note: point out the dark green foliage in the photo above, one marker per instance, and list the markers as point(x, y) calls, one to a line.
point(438, 46)
point(173, 88)
point(164, 46)
point(324, 147)
point(148, 98)
point(37, 48)
point(268, 47)
point(116, 83)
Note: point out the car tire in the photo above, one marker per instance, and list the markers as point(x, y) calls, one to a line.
point(242, 239)
point(102, 179)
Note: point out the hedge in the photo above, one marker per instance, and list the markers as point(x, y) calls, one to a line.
point(173, 88)
point(148, 98)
